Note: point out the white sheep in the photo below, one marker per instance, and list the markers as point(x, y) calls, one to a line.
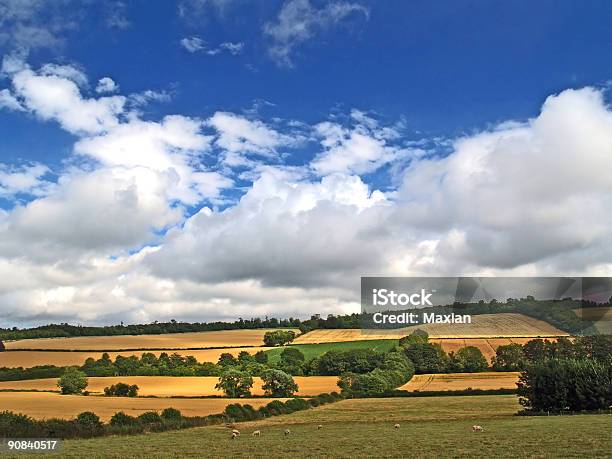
point(256, 433)
point(236, 432)
point(319, 427)
point(477, 429)
point(234, 435)
point(287, 432)
point(396, 426)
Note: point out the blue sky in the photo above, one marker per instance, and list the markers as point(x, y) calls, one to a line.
point(324, 139)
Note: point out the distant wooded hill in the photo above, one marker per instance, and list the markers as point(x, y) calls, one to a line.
point(559, 313)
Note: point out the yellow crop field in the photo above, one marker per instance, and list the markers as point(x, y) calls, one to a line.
point(44, 405)
point(28, 359)
point(482, 326)
point(222, 338)
point(461, 381)
point(168, 386)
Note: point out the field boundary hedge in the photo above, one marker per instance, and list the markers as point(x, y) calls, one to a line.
point(88, 424)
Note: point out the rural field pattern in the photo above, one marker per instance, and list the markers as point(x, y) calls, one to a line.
point(506, 325)
point(429, 427)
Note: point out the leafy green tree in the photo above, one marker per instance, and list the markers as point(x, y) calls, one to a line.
point(278, 337)
point(566, 384)
point(292, 356)
point(121, 390)
point(235, 383)
point(509, 357)
point(470, 359)
point(261, 357)
point(335, 363)
point(535, 350)
point(427, 357)
point(227, 359)
point(73, 381)
point(277, 383)
point(417, 336)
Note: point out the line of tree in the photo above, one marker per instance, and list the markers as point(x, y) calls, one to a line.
point(566, 384)
point(516, 357)
point(559, 313)
point(121, 390)
point(88, 424)
point(65, 330)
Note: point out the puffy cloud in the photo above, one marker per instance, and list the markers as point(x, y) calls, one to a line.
point(172, 146)
point(53, 94)
point(359, 150)
point(239, 137)
point(534, 192)
point(108, 210)
point(132, 234)
point(26, 179)
point(106, 85)
point(9, 101)
point(298, 21)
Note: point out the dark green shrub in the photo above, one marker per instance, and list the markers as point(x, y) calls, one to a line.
point(150, 417)
point(122, 419)
point(171, 414)
point(13, 425)
point(89, 423)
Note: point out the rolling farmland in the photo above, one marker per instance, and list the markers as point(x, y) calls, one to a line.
point(44, 405)
point(461, 381)
point(430, 427)
point(65, 358)
point(168, 386)
point(196, 340)
point(507, 325)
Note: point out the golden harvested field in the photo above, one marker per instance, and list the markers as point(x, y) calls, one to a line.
point(482, 326)
point(222, 338)
point(44, 405)
point(28, 359)
point(461, 381)
point(168, 386)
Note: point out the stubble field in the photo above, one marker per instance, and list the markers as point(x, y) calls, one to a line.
point(224, 338)
point(482, 326)
point(461, 381)
point(174, 386)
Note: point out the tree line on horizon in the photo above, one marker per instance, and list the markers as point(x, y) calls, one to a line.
point(559, 313)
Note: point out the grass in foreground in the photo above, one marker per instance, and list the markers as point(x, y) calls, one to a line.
point(311, 351)
point(430, 427)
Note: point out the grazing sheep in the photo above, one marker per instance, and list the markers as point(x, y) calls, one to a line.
point(287, 432)
point(234, 435)
point(477, 429)
point(319, 427)
point(236, 432)
point(396, 426)
point(256, 433)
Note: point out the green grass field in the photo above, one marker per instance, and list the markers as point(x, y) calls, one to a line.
point(311, 351)
point(430, 427)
